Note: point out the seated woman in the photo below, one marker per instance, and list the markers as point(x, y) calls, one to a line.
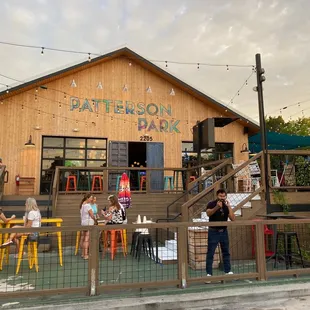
point(32, 219)
point(4, 219)
point(116, 214)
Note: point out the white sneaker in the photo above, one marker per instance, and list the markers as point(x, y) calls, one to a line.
point(208, 282)
point(228, 273)
point(5, 244)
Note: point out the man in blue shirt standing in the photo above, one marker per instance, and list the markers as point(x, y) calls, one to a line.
point(219, 210)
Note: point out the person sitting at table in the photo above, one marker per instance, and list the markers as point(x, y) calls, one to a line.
point(87, 219)
point(4, 219)
point(32, 219)
point(116, 213)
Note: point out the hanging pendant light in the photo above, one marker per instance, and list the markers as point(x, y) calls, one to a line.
point(29, 143)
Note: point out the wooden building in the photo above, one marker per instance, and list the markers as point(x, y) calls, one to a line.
point(118, 110)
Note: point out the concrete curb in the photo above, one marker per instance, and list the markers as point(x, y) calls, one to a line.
point(193, 300)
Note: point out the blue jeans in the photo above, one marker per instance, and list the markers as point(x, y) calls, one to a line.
point(214, 238)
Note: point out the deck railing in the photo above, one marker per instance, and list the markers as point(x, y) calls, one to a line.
point(182, 260)
point(230, 181)
point(142, 179)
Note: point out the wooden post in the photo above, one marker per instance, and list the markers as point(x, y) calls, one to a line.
point(148, 181)
point(105, 180)
point(93, 261)
point(182, 246)
point(260, 251)
point(230, 181)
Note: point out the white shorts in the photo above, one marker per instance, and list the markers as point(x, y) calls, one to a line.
point(89, 222)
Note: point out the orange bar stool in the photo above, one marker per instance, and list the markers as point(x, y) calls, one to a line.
point(113, 241)
point(68, 186)
point(142, 181)
point(97, 183)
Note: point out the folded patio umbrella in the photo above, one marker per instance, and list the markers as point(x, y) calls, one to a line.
point(124, 195)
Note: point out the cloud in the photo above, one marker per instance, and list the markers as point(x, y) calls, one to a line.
point(214, 31)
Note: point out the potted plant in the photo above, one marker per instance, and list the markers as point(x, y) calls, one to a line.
point(280, 199)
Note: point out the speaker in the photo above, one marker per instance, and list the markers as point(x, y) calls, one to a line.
point(204, 135)
point(246, 130)
point(196, 137)
point(208, 134)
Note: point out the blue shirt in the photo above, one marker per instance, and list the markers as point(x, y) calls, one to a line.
point(94, 208)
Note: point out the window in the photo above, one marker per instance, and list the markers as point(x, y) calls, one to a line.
point(222, 150)
point(70, 152)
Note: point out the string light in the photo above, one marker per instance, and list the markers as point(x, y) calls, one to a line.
point(299, 103)
point(89, 58)
point(100, 54)
point(245, 83)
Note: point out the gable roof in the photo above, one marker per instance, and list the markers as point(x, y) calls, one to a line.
point(131, 55)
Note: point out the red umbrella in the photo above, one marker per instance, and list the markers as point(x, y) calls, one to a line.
point(124, 195)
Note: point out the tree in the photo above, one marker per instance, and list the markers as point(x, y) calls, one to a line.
point(299, 127)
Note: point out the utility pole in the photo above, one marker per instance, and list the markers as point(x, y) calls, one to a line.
point(262, 123)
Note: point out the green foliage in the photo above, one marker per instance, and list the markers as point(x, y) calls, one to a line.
point(302, 173)
point(279, 199)
point(299, 127)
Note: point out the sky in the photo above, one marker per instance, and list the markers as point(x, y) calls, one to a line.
point(195, 31)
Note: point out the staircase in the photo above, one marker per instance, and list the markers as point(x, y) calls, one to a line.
point(245, 205)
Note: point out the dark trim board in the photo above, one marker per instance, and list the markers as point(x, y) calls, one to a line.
point(293, 208)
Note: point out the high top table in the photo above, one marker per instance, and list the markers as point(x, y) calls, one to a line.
point(55, 221)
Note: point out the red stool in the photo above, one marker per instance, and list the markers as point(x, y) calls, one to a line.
point(267, 232)
point(68, 185)
point(142, 180)
point(94, 186)
point(113, 242)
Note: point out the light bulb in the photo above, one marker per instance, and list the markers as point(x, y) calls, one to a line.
point(42, 51)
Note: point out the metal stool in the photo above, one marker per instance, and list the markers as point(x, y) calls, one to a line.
point(118, 179)
point(134, 242)
point(146, 242)
point(166, 180)
point(94, 186)
point(142, 180)
point(288, 254)
point(68, 185)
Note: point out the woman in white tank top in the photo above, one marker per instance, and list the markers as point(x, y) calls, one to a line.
point(87, 219)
